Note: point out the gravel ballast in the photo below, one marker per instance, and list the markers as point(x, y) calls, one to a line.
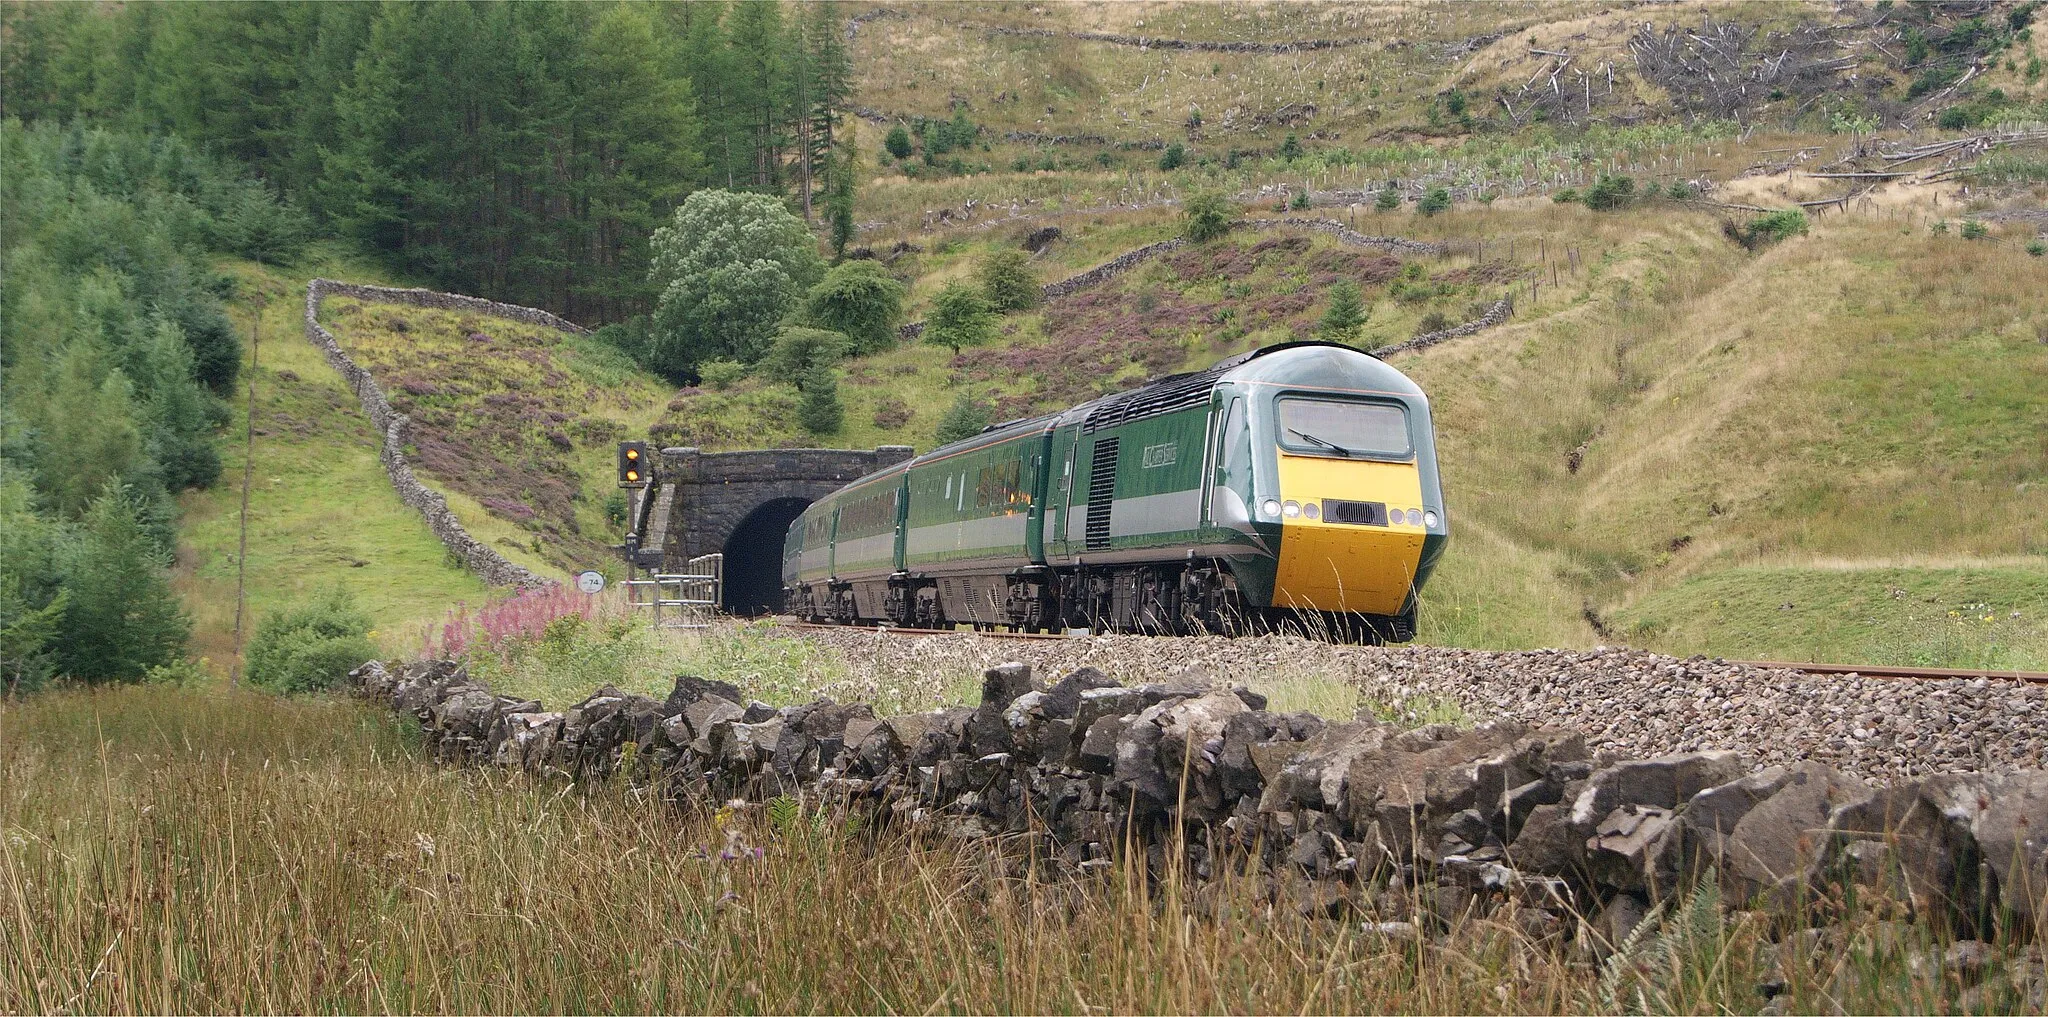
point(1626, 702)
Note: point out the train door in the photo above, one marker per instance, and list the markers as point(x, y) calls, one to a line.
point(1060, 493)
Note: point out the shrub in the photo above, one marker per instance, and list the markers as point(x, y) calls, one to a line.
point(721, 374)
point(1006, 281)
point(2037, 248)
point(1299, 201)
point(1681, 190)
point(1437, 200)
point(1940, 227)
point(1175, 156)
point(1767, 229)
point(965, 419)
point(891, 413)
point(1974, 230)
point(819, 412)
point(1434, 321)
point(1290, 149)
point(799, 350)
point(1455, 102)
point(897, 142)
point(960, 317)
point(859, 300)
point(310, 647)
point(1610, 192)
point(1389, 200)
point(628, 337)
point(1208, 215)
point(1568, 196)
point(182, 673)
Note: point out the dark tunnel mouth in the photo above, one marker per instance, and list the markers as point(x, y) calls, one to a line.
point(753, 557)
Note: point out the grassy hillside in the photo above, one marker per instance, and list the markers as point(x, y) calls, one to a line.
point(322, 513)
point(516, 423)
point(1831, 410)
point(1826, 448)
point(1180, 311)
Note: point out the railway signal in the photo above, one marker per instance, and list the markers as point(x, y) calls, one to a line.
point(634, 467)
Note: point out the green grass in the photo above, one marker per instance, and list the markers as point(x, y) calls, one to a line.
point(171, 850)
point(322, 512)
point(1855, 395)
point(1989, 617)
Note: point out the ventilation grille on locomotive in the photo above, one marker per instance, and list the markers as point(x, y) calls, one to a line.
point(1101, 492)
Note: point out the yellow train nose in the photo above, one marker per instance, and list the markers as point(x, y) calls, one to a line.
point(1346, 543)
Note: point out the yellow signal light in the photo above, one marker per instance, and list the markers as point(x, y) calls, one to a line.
point(632, 475)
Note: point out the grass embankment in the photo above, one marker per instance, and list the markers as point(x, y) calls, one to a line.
point(322, 512)
point(1867, 397)
point(515, 423)
point(166, 850)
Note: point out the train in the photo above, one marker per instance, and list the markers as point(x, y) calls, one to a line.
point(1292, 485)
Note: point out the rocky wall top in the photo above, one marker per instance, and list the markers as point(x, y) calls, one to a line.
point(1333, 812)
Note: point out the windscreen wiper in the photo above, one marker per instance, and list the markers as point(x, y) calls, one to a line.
point(1324, 442)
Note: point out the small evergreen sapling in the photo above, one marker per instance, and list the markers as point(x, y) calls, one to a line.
point(820, 411)
point(964, 419)
point(1341, 320)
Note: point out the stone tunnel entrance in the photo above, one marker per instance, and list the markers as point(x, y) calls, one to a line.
point(753, 558)
point(741, 504)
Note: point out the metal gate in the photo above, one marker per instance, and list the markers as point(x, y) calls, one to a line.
point(686, 600)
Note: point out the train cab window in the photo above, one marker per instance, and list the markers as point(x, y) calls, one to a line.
point(1341, 427)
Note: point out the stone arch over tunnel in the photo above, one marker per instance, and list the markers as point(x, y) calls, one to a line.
point(741, 504)
point(753, 557)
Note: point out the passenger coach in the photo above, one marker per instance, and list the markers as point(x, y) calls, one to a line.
point(1297, 481)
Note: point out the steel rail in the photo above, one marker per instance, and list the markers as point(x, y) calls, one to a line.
point(1864, 670)
point(1891, 671)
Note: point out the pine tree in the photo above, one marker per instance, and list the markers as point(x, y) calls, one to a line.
point(760, 81)
point(819, 410)
point(964, 419)
point(121, 618)
point(897, 141)
point(1345, 314)
point(1389, 199)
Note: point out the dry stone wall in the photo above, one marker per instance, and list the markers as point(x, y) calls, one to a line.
point(396, 427)
point(1337, 814)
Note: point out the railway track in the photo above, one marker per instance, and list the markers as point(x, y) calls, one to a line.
point(1865, 670)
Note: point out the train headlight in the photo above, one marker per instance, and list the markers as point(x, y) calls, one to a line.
point(1291, 509)
point(1429, 519)
point(1415, 517)
point(1310, 510)
point(1270, 508)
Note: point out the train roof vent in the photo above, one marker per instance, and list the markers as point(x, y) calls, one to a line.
point(1167, 395)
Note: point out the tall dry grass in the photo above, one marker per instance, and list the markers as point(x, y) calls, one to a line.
point(176, 850)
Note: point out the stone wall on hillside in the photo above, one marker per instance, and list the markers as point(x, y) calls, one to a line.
point(1340, 815)
point(1499, 312)
point(396, 428)
point(1137, 256)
